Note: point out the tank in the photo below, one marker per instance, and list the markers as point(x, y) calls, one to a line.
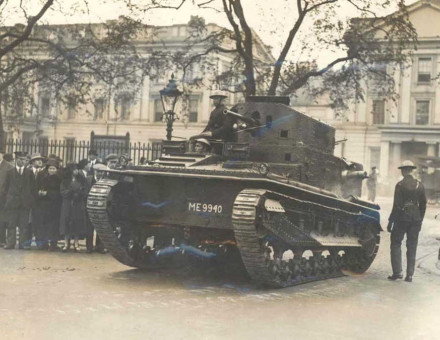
point(274, 200)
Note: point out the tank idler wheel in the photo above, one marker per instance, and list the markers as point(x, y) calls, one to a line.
point(359, 259)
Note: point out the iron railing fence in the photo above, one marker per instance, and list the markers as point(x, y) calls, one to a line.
point(74, 151)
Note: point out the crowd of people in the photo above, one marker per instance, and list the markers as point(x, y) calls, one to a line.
point(46, 201)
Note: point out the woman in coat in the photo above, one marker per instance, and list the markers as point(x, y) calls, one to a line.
point(50, 203)
point(73, 220)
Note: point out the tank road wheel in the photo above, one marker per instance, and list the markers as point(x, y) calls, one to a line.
point(268, 259)
point(123, 242)
point(360, 259)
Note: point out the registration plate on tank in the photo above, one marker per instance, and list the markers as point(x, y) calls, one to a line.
point(205, 207)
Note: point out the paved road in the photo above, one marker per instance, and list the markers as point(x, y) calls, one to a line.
point(80, 296)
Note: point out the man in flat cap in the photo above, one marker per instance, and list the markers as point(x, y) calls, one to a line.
point(4, 167)
point(406, 218)
point(37, 227)
point(21, 194)
point(93, 159)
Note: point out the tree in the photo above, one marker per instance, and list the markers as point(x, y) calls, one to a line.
point(362, 44)
point(72, 63)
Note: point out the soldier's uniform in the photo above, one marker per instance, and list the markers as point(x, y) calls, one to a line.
point(220, 124)
point(407, 215)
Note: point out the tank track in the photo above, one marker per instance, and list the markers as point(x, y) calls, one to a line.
point(265, 236)
point(121, 247)
point(127, 249)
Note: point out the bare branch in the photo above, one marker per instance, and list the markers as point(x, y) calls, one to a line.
point(27, 32)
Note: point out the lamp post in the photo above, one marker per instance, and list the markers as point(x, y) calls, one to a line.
point(168, 96)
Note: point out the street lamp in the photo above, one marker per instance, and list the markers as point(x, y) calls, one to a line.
point(168, 96)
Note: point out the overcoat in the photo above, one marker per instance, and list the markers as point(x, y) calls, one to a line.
point(21, 189)
point(73, 220)
point(4, 167)
point(50, 205)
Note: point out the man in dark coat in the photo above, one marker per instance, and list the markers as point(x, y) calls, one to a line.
point(93, 159)
point(37, 210)
point(220, 126)
point(4, 167)
point(21, 193)
point(406, 218)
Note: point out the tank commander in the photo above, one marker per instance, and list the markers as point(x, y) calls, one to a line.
point(220, 126)
point(202, 146)
point(406, 218)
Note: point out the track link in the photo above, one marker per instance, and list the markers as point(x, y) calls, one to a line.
point(263, 251)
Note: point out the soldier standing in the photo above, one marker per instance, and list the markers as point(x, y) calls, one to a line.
point(371, 184)
point(406, 218)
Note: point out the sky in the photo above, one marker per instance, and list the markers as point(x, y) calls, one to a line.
point(272, 19)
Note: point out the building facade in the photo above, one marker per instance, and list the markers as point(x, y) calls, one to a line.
point(383, 133)
point(139, 115)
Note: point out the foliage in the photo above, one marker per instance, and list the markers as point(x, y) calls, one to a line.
point(362, 43)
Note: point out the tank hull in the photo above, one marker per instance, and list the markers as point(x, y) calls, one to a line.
point(252, 216)
point(206, 199)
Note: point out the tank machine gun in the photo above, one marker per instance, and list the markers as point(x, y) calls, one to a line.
point(276, 200)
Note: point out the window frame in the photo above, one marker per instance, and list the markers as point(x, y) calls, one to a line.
point(98, 116)
point(419, 73)
point(429, 101)
point(378, 119)
point(196, 99)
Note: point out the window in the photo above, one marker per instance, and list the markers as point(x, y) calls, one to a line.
point(124, 107)
point(193, 109)
point(158, 110)
point(422, 112)
point(99, 108)
point(424, 70)
point(288, 157)
point(71, 112)
point(45, 107)
point(378, 111)
point(284, 133)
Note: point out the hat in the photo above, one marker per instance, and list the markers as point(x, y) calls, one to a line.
point(218, 94)
point(203, 141)
point(20, 153)
point(111, 156)
point(53, 162)
point(126, 156)
point(93, 152)
point(82, 163)
point(373, 167)
point(407, 164)
point(36, 156)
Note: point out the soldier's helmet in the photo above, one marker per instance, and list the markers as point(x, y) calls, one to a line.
point(218, 94)
point(203, 141)
point(407, 164)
